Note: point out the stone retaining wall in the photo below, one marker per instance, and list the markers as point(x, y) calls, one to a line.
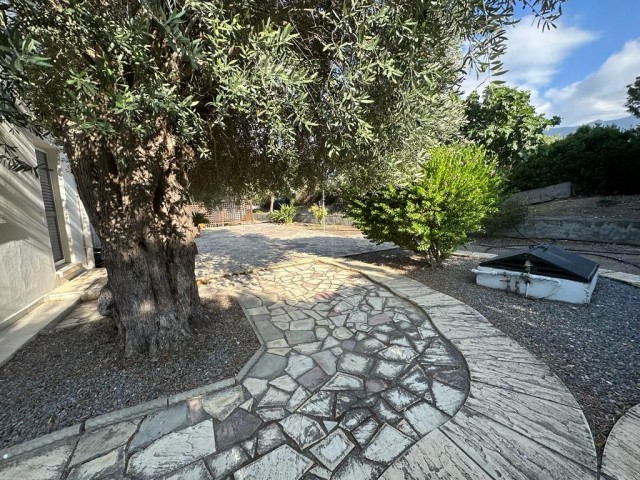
point(624, 232)
point(308, 218)
point(544, 194)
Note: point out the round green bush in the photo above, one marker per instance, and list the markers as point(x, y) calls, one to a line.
point(434, 214)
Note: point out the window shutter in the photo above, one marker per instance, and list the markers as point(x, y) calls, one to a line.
point(49, 205)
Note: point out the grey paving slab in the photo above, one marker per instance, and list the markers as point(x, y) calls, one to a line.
point(46, 463)
point(621, 458)
point(237, 427)
point(99, 442)
point(159, 424)
point(195, 471)
point(424, 417)
point(111, 464)
point(284, 463)
point(435, 456)
point(387, 444)
point(530, 416)
point(220, 404)
point(269, 438)
point(174, 451)
point(268, 366)
point(226, 462)
point(303, 430)
point(504, 453)
point(333, 449)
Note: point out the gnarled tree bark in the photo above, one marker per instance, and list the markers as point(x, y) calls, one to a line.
point(138, 206)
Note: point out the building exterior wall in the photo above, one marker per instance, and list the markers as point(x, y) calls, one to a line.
point(27, 269)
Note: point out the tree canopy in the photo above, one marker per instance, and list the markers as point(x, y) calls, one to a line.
point(633, 98)
point(152, 99)
point(506, 123)
point(598, 159)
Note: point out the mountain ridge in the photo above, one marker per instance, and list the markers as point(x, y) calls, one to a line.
point(622, 123)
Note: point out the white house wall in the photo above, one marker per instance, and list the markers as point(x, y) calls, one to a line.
point(27, 269)
point(80, 248)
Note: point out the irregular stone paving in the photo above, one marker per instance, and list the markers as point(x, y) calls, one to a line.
point(84, 313)
point(354, 382)
point(243, 247)
point(621, 458)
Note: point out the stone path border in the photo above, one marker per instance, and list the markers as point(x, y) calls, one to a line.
point(621, 458)
point(519, 420)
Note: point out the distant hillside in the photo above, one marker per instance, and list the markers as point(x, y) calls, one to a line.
point(623, 123)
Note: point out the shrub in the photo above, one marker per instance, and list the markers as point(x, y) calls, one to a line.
point(597, 159)
point(319, 212)
point(508, 214)
point(432, 215)
point(285, 214)
point(198, 218)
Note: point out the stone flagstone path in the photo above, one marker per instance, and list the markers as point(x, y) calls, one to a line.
point(363, 374)
point(621, 459)
point(246, 247)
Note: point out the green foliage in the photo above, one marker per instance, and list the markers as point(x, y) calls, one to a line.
point(597, 159)
point(285, 214)
point(434, 214)
point(505, 123)
point(319, 212)
point(633, 98)
point(257, 95)
point(508, 214)
point(199, 218)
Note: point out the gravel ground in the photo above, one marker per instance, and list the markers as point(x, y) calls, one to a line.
point(594, 348)
point(64, 377)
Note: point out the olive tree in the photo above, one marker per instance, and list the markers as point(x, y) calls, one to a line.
point(152, 99)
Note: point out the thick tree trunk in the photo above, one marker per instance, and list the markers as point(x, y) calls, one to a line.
point(154, 293)
point(136, 197)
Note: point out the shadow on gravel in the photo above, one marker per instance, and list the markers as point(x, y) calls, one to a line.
point(66, 376)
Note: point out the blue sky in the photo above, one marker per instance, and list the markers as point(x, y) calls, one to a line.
point(579, 70)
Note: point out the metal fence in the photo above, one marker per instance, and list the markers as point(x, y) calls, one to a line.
point(226, 213)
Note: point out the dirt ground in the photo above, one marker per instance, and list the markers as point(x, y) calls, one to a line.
point(615, 207)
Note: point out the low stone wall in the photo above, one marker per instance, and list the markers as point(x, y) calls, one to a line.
point(624, 232)
point(308, 218)
point(544, 194)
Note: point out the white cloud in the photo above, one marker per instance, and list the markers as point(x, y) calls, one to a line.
point(534, 56)
point(600, 95)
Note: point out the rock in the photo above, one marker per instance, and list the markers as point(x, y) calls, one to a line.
point(98, 442)
point(226, 462)
point(48, 462)
point(220, 404)
point(174, 451)
point(283, 463)
point(105, 302)
point(159, 424)
point(303, 430)
point(110, 464)
point(333, 449)
point(237, 427)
